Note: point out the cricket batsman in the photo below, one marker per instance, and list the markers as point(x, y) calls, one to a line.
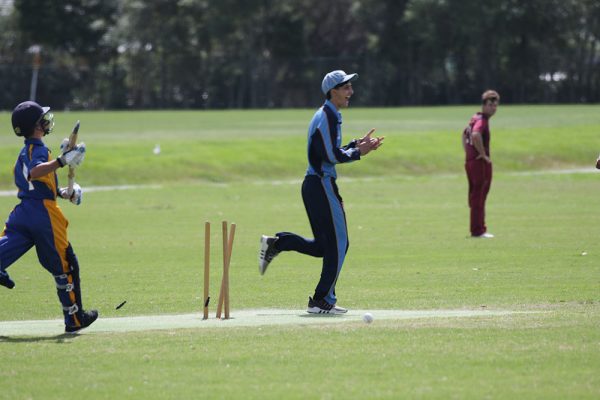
point(38, 220)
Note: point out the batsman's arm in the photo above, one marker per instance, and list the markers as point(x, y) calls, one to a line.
point(44, 169)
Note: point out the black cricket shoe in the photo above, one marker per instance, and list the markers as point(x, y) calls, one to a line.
point(6, 281)
point(87, 318)
point(267, 252)
point(323, 307)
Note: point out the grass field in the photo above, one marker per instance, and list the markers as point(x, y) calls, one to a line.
point(408, 223)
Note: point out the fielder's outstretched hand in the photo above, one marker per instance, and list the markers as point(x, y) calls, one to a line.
point(368, 143)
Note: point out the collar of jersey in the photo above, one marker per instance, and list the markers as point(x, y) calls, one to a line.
point(332, 107)
point(34, 141)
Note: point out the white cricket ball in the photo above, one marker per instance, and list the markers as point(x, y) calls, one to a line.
point(368, 318)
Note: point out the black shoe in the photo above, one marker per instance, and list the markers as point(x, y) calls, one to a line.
point(87, 318)
point(323, 307)
point(6, 281)
point(267, 252)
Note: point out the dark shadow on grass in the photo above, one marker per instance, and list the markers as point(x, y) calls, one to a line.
point(277, 314)
point(301, 315)
point(62, 338)
point(307, 315)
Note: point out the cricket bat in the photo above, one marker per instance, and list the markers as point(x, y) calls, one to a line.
point(72, 144)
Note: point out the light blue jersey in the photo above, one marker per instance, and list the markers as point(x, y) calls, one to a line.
point(325, 141)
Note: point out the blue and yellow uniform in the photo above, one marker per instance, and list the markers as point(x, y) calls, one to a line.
point(38, 221)
point(322, 200)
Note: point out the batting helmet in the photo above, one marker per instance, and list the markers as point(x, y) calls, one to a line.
point(27, 114)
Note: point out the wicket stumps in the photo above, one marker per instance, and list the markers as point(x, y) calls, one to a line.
point(206, 267)
point(223, 302)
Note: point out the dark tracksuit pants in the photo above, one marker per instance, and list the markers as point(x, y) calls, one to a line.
point(325, 212)
point(479, 175)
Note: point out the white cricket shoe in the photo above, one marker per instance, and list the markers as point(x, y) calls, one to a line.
point(485, 235)
point(267, 252)
point(323, 307)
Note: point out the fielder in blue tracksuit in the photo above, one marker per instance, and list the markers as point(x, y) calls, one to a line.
point(323, 203)
point(37, 220)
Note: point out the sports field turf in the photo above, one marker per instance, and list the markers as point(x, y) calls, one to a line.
point(408, 222)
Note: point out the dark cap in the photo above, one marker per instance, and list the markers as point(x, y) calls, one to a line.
point(25, 116)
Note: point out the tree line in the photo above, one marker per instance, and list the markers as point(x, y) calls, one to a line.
point(119, 54)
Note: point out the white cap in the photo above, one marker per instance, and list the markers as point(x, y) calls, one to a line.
point(335, 78)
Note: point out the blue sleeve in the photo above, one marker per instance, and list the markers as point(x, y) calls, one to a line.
point(330, 151)
point(39, 155)
point(351, 145)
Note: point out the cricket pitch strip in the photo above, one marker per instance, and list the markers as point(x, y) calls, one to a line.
point(239, 318)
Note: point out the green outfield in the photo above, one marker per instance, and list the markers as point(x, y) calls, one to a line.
point(408, 225)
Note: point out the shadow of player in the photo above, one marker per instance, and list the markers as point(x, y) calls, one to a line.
point(62, 338)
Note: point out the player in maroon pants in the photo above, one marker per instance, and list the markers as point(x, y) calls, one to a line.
point(478, 164)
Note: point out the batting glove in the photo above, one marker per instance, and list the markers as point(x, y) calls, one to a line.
point(72, 158)
point(64, 144)
point(75, 197)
